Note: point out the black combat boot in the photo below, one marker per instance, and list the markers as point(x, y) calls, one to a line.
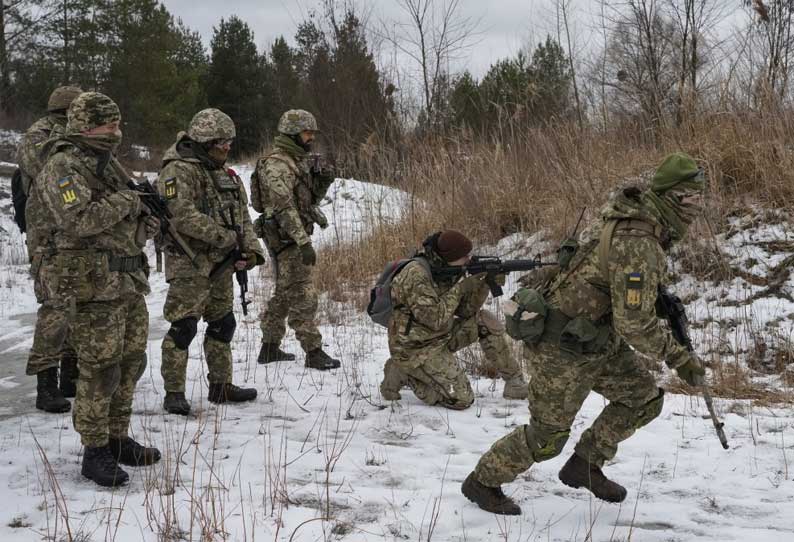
point(578, 472)
point(318, 359)
point(68, 383)
point(271, 352)
point(490, 499)
point(229, 393)
point(128, 452)
point(175, 403)
point(48, 396)
point(100, 466)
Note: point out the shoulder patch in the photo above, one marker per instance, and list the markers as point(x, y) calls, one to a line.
point(634, 284)
point(170, 188)
point(68, 194)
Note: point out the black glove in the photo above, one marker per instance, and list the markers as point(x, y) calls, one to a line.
point(308, 255)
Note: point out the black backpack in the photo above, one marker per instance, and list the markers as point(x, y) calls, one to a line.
point(380, 306)
point(19, 198)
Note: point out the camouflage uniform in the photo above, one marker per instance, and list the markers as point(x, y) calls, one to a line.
point(201, 195)
point(595, 324)
point(100, 268)
point(288, 193)
point(432, 320)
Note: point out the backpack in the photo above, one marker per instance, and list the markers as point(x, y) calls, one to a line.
point(19, 198)
point(380, 306)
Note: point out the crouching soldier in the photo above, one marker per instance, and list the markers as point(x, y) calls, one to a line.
point(600, 310)
point(435, 316)
point(102, 271)
point(207, 201)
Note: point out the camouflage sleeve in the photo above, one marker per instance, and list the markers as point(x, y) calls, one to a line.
point(252, 244)
point(637, 265)
point(29, 156)
point(182, 190)
point(413, 288)
point(67, 195)
point(280, 182)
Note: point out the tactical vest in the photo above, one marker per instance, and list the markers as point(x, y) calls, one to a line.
point(302, 192)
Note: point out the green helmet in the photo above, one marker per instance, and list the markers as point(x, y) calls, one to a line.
point(91, 110)
point(62, 97)
point(295, 121)
point(210, 124)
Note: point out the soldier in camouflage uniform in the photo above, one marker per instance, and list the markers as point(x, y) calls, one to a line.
point(435, 316)
point(287, 190)
point(100, 269)
point(601, 309)
point(206, 199)
point(49, 338)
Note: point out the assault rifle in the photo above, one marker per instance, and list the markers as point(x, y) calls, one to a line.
point(492, 266)
point(157, 206)
point(234, 256)
point(322, 165)
point(673, 309)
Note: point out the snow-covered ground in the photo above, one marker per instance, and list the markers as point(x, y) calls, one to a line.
point(319, 456)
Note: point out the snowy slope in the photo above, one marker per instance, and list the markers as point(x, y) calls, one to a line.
point(319, 457)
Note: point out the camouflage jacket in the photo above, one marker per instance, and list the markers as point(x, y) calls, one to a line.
point(96, 225)
point(201, 199)
point(626, 299)
point(286, 190)
point(31, 157)
point(425, 311)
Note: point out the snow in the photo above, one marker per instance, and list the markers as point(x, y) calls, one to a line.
point(320, 456)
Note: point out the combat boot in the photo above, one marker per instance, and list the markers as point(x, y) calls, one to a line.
point(490, 499)
point(48, 396)
point(128, 452)
point(271, 352)
point(68, 383)
point(578, 472)
point(175, 403)
point(99, 466)
point(392, 382)
point(318, 359)
point(229, 393)
point(515, 388)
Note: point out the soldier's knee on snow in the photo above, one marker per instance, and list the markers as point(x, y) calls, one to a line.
point(183, 331)
point(545, 442)
point(222, 330)
point(650, 410)
point(488, 324)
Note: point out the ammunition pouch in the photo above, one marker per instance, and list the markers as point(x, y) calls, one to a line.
point(126, 264)
point(576, 336)
point(78, 273)
point(525, 316)
point(268, 230)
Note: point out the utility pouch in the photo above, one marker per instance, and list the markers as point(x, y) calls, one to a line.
point(581, 336)
point(268, 230)
point(525, 316)
point(77, 275)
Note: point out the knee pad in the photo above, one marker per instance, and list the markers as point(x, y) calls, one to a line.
point(183, 331)
point(650, 410)
point(222, 330)
point(545, 442)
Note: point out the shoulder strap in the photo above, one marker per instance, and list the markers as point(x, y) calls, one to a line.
point(283, 158)
point(604, 244)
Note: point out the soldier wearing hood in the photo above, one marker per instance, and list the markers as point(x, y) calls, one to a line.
point(203, 195)
point(601, 310)
point(436, 316)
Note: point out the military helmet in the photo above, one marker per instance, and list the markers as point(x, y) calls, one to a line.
point(62, 97)
point(90, 110)
point(210, 124)
point(295, 121)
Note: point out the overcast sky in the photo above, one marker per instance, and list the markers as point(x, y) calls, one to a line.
point(506, 25)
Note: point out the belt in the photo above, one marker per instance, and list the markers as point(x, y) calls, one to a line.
point(126, 264)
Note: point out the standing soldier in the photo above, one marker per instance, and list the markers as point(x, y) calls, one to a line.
point(207, 201)
point(600, 310)
point(49, 338)
point(102, 271)
point(435, 316)
point(287, 190)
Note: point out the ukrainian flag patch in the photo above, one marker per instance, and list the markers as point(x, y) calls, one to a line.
point(634, 284)
point(68, 194)
point(170, 188)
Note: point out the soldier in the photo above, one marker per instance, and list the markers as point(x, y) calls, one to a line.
point(49, 338)
point(206, 199)
point(435, 316)
point(287, 191)
point(102, 271)
point(601, 309)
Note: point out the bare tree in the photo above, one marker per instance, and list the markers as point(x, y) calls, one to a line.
point(563, 9)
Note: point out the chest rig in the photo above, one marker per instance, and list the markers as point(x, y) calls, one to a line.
point(221, 189)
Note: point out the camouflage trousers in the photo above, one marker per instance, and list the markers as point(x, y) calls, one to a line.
point(559, 384)
point(196, 298)
point(432, 371)
point(50, 345)
point(110, 340)
point(294, 299)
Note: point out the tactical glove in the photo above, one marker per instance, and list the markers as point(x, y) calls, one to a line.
point(692, 371)
point(308, 255)
point(152, 226)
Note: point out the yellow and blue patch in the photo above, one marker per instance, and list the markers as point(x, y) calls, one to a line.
point(170, 188)
point(68, 194)
point(634, 284)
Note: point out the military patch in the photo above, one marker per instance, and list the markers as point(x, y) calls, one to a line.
point(634, 284)
point(170, 188)
point(68, 195)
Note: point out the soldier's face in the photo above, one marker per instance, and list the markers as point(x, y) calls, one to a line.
point(460, 261)
point(307, 136)
point(105, 129)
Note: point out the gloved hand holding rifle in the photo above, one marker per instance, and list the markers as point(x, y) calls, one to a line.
point(237, 258)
